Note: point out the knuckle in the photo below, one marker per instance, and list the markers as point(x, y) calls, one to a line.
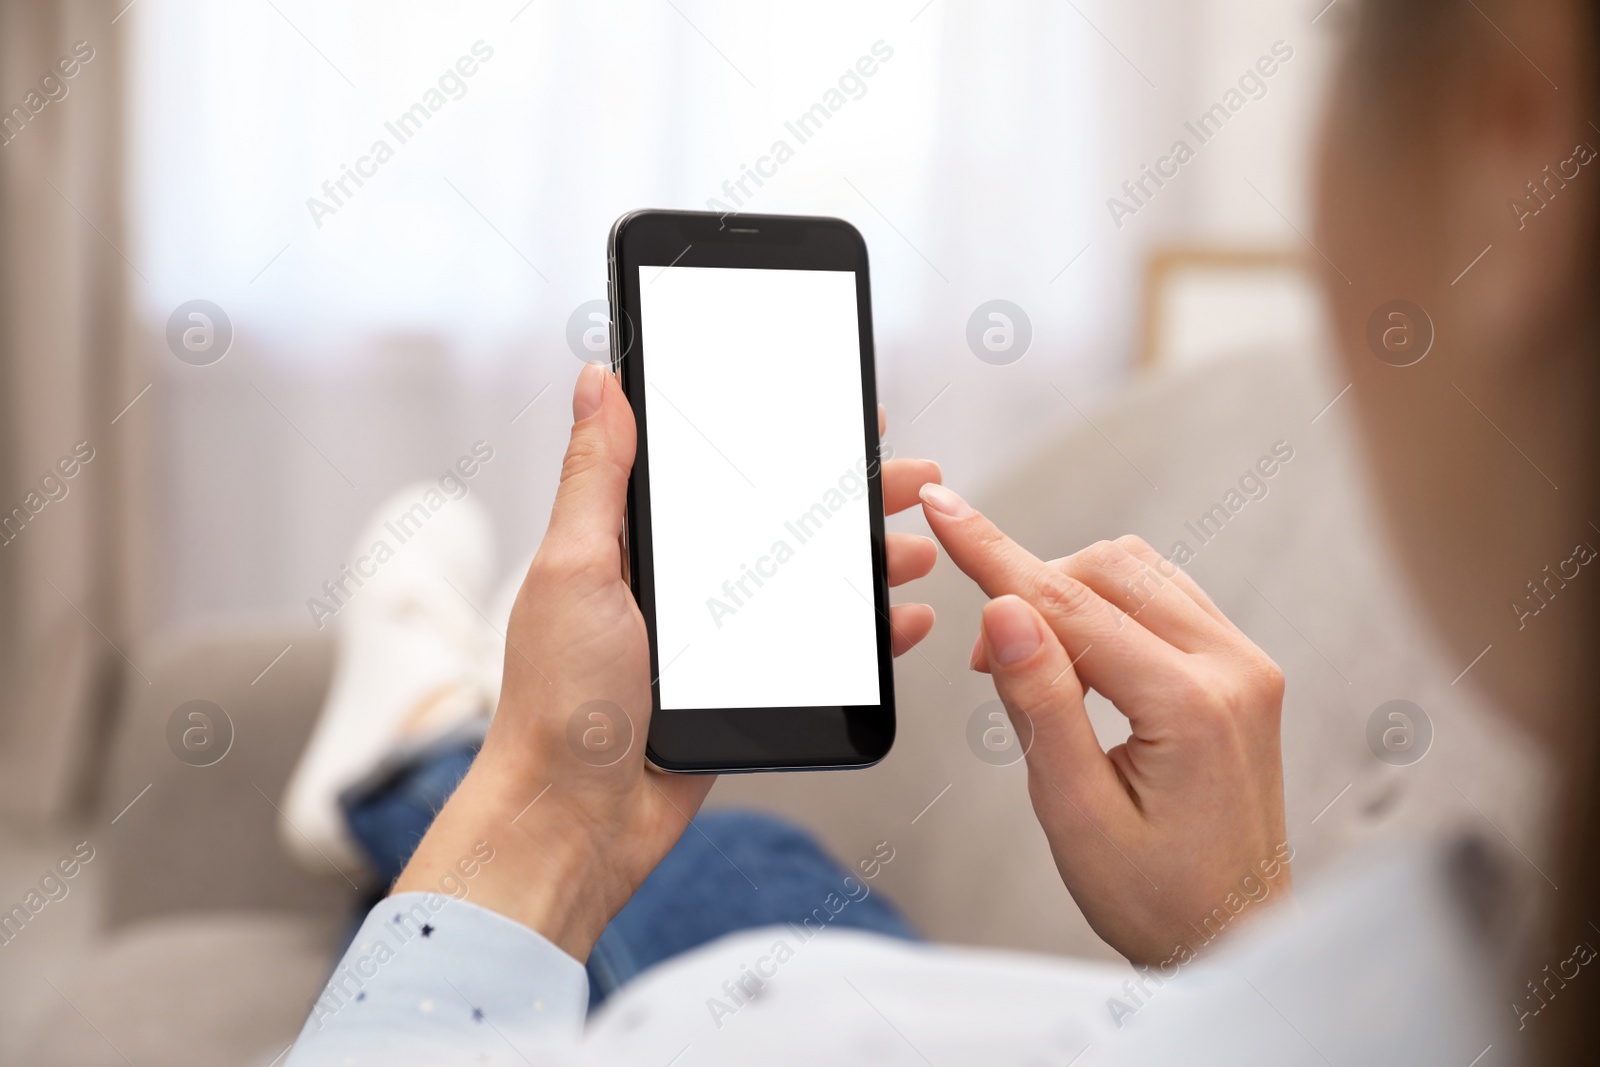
point(585, 454)
point(1101, 556)
point(1230, 698)
point(1134, 545)
point(1149, 559)
point(1060, 594)
point(990, 539)
point(1269, 683)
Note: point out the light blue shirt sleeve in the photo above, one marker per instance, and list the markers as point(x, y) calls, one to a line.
point(432, 978)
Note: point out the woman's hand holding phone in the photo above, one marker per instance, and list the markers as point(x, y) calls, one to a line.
point(576, 828)
point(1156, 835)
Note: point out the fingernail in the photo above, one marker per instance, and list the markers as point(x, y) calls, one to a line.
point(1011, 630)
point(591, 389)
point(944, 501)
point(977, 650)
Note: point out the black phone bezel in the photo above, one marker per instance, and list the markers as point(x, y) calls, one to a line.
point(721, 740)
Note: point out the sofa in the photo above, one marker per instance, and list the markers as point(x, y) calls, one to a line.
point(213, 944)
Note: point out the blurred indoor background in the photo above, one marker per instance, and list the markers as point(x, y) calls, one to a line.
point(371, 335)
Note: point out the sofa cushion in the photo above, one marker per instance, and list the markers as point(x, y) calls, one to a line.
point(219, 988)
point(206, 837)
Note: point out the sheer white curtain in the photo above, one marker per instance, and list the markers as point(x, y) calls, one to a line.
point(383, 327)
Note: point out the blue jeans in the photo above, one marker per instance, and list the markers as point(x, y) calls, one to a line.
point(730, 871)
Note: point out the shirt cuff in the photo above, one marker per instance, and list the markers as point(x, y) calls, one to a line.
point(429, 971)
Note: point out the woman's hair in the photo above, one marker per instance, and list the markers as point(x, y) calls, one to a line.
point(1574, 1039)
point(1404, 53)
point(1576, 1026)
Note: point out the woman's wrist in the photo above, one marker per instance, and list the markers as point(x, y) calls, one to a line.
point(545, 871)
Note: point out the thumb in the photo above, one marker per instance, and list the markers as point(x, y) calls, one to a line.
point(1034, 678)
point(592, 500)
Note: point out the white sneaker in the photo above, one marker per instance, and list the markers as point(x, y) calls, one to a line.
point(410, 662)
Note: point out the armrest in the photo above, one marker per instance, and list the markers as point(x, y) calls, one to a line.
point(187, 837)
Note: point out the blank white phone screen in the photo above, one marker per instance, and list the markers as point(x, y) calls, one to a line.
point(758, 488)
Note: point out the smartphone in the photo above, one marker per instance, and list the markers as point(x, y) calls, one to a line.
point(755, 539)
